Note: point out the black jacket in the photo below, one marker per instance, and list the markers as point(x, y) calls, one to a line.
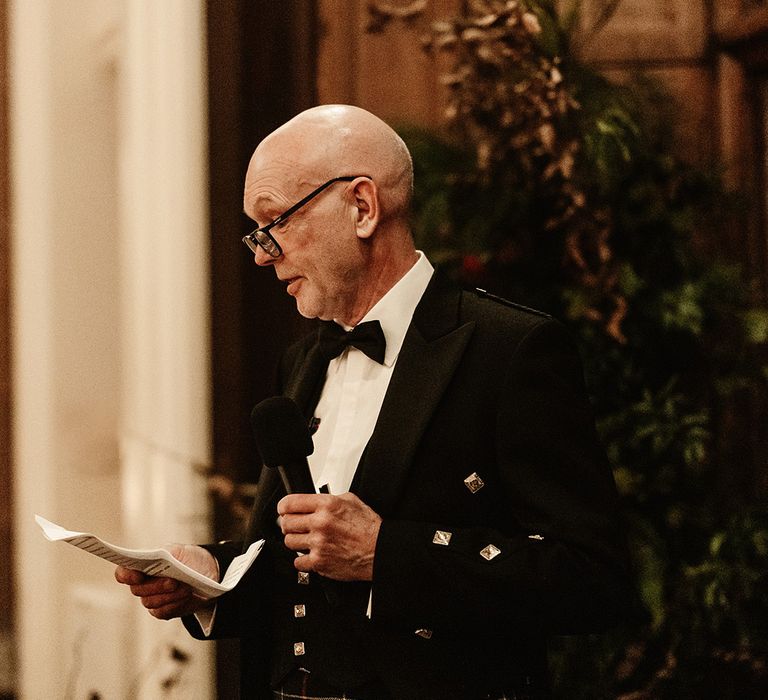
point(484, 394)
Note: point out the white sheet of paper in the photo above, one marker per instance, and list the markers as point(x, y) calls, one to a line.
point(154, 562)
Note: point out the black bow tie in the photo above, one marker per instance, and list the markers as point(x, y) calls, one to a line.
point(367, 337)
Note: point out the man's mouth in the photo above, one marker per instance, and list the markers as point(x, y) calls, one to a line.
point(290, 282)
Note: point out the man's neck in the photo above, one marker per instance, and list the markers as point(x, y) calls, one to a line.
point(382, 279)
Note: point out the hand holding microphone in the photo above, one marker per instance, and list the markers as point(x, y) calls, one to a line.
point(337, 534)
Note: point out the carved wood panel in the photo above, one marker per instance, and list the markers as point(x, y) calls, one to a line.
point(645, 30)
point(387, 73)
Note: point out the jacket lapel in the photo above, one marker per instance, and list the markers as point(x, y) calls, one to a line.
point(305, 386)
point(433, 347)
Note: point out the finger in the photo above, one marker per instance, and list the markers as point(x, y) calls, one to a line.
point(129, 576)
point(153, 602)
point(305, 563)
point(301, 503)
point(167, 613)
point(298, 543)
point(295, 523)
point(155, 586)
point(177, 608)
point(170, 611)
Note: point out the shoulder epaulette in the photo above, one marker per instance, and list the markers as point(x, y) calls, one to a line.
point(500, 300)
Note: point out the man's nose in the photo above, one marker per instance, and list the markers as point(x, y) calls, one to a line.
point(262, 258)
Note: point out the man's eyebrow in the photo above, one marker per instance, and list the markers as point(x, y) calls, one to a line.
point(264, 199)
point(267, 199)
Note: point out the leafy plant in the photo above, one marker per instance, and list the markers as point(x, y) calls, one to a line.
point(557, 188)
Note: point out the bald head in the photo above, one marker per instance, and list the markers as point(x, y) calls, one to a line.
point(331, 140)
point(350, 240)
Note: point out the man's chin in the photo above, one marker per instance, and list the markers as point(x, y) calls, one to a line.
point(313, 306)
point(306, 309)
point(306, 314)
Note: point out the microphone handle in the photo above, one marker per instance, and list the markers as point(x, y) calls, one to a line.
point(296, 476)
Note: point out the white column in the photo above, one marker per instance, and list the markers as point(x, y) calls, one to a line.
point(110, 337)
point(165, 431)
point(65, 340)
point(37, 593)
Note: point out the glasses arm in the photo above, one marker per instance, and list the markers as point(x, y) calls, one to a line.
point(304, 200)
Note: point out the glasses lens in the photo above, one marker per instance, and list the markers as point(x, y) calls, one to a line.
point(259, 240)
point(251, 243)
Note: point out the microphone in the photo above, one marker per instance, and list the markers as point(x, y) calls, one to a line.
point(284, 442)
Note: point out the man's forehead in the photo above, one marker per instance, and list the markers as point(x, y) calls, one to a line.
point(283, 167)
point(273, 189)
point(271, 163)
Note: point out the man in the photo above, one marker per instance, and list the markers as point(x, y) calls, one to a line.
point(470, 513)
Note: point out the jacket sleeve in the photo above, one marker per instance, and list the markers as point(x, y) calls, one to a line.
point(248, 601)
point(245, 605)
point(558, 562)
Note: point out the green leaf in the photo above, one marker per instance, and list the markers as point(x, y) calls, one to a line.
point(715, 543)
point(760, 541)
point(756, 325)
point(629, 281)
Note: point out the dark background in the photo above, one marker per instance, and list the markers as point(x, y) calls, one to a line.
point(261, 72)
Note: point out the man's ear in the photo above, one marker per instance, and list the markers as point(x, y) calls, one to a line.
point(367, 209)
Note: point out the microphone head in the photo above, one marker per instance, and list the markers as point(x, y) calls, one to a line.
point(281, 431)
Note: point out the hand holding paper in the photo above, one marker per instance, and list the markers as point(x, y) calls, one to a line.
point(166, 598)
point(154, 562)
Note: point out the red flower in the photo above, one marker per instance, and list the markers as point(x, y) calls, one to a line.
point(472, 266)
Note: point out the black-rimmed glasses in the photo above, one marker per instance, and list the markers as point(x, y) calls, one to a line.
point(262, 238)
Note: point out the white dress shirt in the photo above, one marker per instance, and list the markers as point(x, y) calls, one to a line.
point(355, 385)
